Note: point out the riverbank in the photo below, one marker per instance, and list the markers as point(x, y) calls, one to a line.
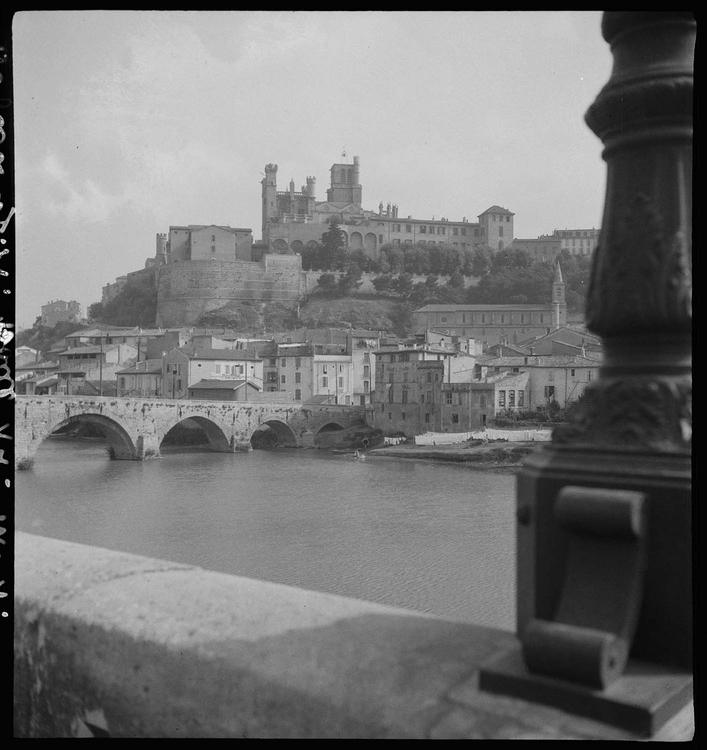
point(488, 456)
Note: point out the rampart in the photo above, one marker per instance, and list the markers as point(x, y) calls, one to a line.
point(186, 290)
point(112, 644)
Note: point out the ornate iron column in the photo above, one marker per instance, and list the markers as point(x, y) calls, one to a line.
point(604, 564)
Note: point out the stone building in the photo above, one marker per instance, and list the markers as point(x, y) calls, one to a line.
point(204, 242)
point(494, 324)
point(60, 311)
point(183, 367)
point(143, 378)
point(293, 219)
point(409, 381)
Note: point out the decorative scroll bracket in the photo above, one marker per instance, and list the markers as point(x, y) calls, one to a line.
point(588, 641)
point(579, 660)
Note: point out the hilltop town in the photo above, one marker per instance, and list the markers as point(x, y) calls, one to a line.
point(438, 326)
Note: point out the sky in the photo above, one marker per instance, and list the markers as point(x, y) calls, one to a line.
point(127, 122)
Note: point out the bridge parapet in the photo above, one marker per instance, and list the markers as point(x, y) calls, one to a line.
point(112, 644)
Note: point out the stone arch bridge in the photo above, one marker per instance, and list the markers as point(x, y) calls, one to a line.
point(136, 427)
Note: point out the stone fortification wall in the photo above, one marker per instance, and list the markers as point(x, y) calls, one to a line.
point(186, 290)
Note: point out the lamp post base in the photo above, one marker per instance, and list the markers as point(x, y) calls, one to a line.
point(642, 700)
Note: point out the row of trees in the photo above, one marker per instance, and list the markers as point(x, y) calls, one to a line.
point(332, 254)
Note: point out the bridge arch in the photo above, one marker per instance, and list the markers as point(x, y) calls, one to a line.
point(121, 442)
point(281, 434)
point(215, 435)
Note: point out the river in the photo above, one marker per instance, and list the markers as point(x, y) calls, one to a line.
point(423, 535)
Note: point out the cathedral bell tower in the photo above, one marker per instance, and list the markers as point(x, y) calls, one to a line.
point(559, 304)
point(269, 191)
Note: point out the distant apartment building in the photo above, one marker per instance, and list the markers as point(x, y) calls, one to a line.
point(548, 247)
point(309, 372)
point(409, 383)
point(184, 367)
point(142, 379)
point(577, 241)
point(60, 311)
point(561, 378)
point(92, 363)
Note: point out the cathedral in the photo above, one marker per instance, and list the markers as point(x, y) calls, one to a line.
point(293, 219)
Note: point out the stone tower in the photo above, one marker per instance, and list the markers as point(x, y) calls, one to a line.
point(559, 304)
point(269, 183)
point(345, 183)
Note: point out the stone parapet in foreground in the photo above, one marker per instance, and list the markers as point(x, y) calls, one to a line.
point(109, 643)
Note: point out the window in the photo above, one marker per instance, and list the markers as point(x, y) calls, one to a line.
point(298, 377)
point(283, 363)
point(572, 372)
point(521, 398)
point(408, 228)
point(390, 395)
point(324, 369)
point(405, 395)
point(549, 391)
point(516, 369)
point(500, 231)
point(402, 416)
point(455, 230)
point(325, 381)
point(380, 238)
point(213, 238)
point(589, 374)
point(448, 396)
point(455, 419)
point(122, 384)
point(482, 401)
point(366, 371)
point(366, 386)
point(427, 417)
point(511, 399)
point(298, 395)
point(272, 362)
point(396, 242)
point(423, 229)
point(432, 230)
point(422, 398)
point(341, 382)
point(390, 416)
point(429, 377)
point(463, 230)
point(282, 379)
point(502, 399)
point(298, 362)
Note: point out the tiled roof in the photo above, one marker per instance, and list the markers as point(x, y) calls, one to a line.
point(220, 385)
point(481, 308)
point(540, 360)
point(497, 210)
point(225, 354)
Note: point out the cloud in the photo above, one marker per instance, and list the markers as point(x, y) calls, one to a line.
point(71, 199)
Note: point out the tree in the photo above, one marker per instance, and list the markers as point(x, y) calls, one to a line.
point(327, 283)
point(333, 247)
point(95, 311)
point(350, 280)
point(383, 283)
